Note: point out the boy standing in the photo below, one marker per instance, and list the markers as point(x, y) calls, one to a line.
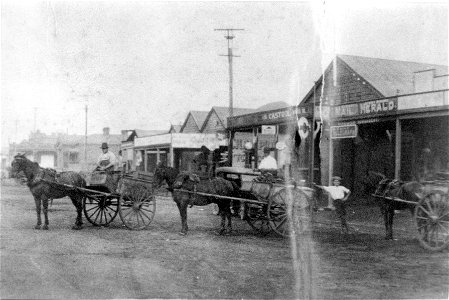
point(339, 195)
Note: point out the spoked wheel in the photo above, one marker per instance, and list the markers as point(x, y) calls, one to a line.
point(288, 212)
point(432, 220)
point(137, 206)
point(256, 217)
point(100, 210)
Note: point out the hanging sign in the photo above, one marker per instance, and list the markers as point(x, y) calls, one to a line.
point(268, 129)
point(303, 127)
point(343, 132)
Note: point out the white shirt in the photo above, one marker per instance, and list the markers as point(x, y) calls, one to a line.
point(268, 163)
point(109, 157)
point(336, 192)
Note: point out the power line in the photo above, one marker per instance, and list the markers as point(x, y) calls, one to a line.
point(229, 36)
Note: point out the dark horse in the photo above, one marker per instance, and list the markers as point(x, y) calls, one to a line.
point(191, 182)
point(377, 184)
point(43, 186)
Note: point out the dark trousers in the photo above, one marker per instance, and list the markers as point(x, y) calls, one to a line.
point(340, 209)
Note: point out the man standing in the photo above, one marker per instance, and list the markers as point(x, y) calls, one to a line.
point(107, 160)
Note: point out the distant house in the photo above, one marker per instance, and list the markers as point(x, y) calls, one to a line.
point(71, 154)
point(175, 129)
point(217, 117)
point(194, 121)
point(127, 144)
point(39, 147)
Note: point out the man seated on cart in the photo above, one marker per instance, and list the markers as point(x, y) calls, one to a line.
point(107, 160)
point(268, 163)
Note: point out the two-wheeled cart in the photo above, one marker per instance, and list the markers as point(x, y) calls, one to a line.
point(431, 214)
point(268, 203)
point(110, 193)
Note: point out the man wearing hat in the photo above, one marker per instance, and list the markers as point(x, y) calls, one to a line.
point(339, 195)
point(107, 160)
point(203, 160)
point(268, 163)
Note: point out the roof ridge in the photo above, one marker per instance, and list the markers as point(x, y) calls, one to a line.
point(392, 60)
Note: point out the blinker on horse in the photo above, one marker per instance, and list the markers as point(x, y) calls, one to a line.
point(43, 184)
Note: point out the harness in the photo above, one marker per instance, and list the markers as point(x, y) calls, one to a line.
point(44, 175)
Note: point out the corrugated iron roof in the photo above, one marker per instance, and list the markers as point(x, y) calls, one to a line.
point(389, 77)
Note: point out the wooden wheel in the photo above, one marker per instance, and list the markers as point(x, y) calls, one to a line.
point(256, 217)
point(137, 206)
point(288, 212)
point(100, 210)
point(432, 220)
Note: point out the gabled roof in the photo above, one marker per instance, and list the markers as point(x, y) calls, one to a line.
point(389, 77)
point(141, 133)
point(198, 116)
point(175, 128)
point(223, 114)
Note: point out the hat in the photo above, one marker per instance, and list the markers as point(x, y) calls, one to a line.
point(205, 149)
point(336, 178)
point(266, 150)
point(104, 146)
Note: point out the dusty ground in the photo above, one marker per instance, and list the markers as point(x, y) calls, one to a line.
point(158, 263)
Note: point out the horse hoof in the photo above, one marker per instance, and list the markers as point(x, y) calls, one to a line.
point(76, 227)
point(45, 227)
point(37, 227)
point(183, 233)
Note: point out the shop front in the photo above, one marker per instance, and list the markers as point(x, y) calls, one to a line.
point(173, 149)
point(403, 137)
point(287, 131)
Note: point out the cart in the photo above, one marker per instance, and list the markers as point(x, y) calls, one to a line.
point(431, 214)
point(269, 204)
point(110, 193)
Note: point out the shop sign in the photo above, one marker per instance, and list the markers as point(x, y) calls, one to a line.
point(283, 115)
point(196, 140)
point(344, 131)
point(268, 129)
point(303, 127)
point(365, 108)
point(238, 148)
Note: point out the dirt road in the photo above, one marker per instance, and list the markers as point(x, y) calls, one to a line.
point(114, 262)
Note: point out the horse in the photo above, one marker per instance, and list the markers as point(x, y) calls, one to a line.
point(191, 182)
point(43, 184)
point(377, 184)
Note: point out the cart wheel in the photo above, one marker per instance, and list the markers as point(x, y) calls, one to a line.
point(256, 217)
point(137, 206)
point(432, 220)
point(288, 211)
point(100, 210)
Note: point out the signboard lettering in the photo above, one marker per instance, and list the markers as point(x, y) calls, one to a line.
point(344, 131)
point(365, 108)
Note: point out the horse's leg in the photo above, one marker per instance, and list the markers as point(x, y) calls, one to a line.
point(37, 201)
point(223, 213)
point(45, 209)
point(229, 216)
point(384, 211)
point(388, 212)
point(78, 203)
point(182, 206)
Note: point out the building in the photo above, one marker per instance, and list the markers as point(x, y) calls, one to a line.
point(65, 152)
point(381, 115)
point(194, 121)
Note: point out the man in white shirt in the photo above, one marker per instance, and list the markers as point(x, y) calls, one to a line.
point(268, 163)
point(339, 195)
point(107, 160)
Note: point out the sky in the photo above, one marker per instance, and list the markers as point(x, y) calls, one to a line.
point(146, 64)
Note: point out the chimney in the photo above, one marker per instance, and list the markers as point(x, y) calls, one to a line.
point(423, 80)
point(106, 131)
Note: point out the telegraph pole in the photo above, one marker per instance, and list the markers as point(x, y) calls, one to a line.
point(229, 36)
point(85, 141)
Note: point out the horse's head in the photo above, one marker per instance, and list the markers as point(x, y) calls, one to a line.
point(186, 180)
point(371, 181)
point(19, 164)
point(412, 191)
point(164, 173)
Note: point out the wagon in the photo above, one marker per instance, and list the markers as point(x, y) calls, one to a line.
point(269, 204)
point(110, 193)
point(431, 214)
